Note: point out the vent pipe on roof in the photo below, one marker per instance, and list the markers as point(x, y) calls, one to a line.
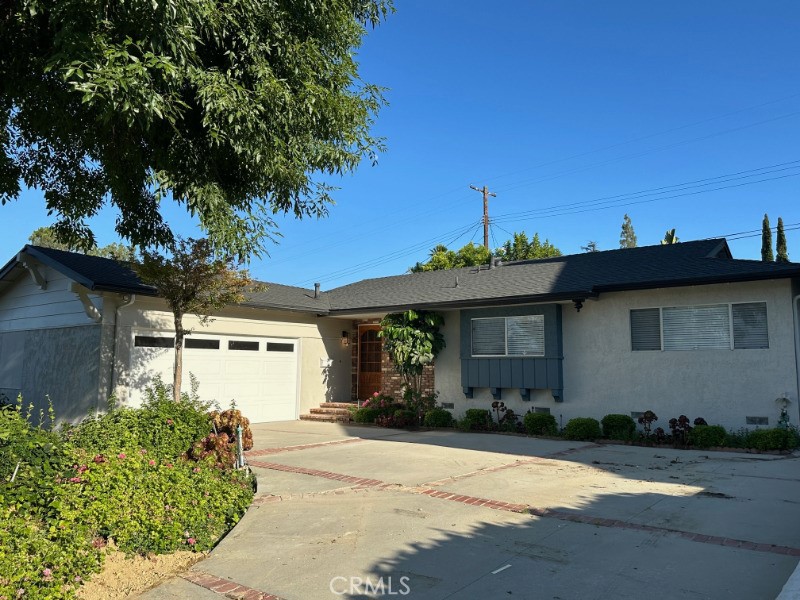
point(492, 262)
point(316, 290)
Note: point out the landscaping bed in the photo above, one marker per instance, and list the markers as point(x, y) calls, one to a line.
point(145, 483)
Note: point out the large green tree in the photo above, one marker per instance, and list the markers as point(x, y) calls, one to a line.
point(627, 237)
point(192, 280)
point(780, 244)
point(766, 241)
point(470, 255)
point(519, 248)
point(233, 109)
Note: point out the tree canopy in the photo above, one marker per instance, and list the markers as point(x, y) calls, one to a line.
point(767, 254)
point(470, 255)
point(235, 110)
point(782, 255)
point(627, 237)
point(48, 238)
point(670, 237)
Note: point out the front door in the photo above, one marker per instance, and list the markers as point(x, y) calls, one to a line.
point(369, 361)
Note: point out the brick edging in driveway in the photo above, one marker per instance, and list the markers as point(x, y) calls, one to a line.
point(226, 587)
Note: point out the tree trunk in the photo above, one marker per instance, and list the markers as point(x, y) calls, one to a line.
point(177, 374)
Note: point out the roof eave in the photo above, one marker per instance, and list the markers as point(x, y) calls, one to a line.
point(649, 285)
point(479, 303)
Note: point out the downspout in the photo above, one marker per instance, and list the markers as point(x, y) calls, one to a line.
point(796, 313)
point(131, 299)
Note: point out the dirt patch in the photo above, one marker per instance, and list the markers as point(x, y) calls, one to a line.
point(123, 577)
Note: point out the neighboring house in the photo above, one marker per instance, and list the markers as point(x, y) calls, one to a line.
point(677, 329)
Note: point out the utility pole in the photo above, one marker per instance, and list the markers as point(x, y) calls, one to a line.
point(486, 193)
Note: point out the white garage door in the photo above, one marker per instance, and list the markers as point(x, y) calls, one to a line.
point(258, 373)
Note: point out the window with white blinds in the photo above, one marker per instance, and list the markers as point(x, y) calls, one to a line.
point(696, 327)
point(710, 327)
point(508, 336)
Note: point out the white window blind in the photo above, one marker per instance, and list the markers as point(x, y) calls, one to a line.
point(646, 329)
point(489, 337)
point(696, 327)
point(525, 335)
point(508, 336)
point(750, 326)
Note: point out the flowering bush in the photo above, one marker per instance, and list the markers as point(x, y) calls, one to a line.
point(216, 450)
point(155, 505)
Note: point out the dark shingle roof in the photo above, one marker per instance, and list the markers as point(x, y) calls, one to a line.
point(577, 276)
point(563, 278)
point(105, 274)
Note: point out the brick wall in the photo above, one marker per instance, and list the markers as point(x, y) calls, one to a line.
point(392, 382)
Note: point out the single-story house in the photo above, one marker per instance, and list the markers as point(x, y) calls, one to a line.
point(677, 329)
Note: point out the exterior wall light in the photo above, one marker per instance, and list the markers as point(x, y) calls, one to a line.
point(345, 339)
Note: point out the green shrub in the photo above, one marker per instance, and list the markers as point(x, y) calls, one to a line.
point(46, 562)
point(161, 426)
point(707, 436)
point(618, 427)
point(771, 439)
point(438, 417)
point(41, 550)
point(540, 424)
point(404, 418)
point(366, 415)
point(582, 428)
point(150, 505)
point(476, 419)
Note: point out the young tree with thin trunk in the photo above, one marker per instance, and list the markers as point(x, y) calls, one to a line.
point(780, 246)
point(192, 281)
point(766, 241)
point(627, 238)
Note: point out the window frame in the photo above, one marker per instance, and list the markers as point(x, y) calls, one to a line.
point(537, 319)
point(732, 340)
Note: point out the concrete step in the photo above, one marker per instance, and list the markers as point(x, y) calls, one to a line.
point(337, 405)
point(326, 418)
point(324, 410)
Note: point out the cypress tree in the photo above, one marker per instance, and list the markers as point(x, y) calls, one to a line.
point(783, 255)
point(766, 241)
point(627, 238)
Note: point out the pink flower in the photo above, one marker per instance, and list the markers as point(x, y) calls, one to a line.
point(375, 394)
point(196, 469)
point(170, 422)
point(99, 459)
point(168, 465)
point(83, 469)
point(142, 451)
point(47, 575)
point(152, 463)
point(121, 456)
point(191, 541)
point(75, 480)
point(77, 579)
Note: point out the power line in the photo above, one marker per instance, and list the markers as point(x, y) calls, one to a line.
point(696, 183)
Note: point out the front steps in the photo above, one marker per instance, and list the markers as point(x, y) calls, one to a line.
point(330, 412)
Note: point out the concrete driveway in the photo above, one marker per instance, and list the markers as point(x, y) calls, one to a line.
point(355, 512)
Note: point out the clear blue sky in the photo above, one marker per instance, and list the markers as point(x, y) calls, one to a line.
point(573, 112)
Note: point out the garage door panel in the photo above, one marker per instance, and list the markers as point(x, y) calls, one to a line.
point(263, 383)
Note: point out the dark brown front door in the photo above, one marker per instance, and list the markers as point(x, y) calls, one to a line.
point(369, 361)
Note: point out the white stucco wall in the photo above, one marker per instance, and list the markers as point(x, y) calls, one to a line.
point(318, 338)
point(602, 375)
